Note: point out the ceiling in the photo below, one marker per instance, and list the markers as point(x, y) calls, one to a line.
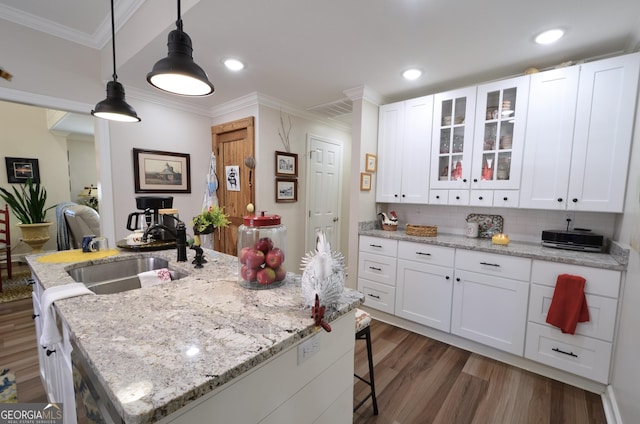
point(307, 53)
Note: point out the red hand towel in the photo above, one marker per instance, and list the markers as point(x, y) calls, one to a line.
point(569, 304)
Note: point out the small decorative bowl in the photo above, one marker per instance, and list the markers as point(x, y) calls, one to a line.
point(500, 239)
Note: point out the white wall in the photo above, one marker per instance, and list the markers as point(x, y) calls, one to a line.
point(626, 373)
point(82, 165)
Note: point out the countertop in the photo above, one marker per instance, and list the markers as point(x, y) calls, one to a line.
point(614, 260)
point(156, 349)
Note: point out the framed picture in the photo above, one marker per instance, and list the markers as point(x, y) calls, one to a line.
point(286, 164)
point(365, 181)
point(161, 172)
point(19, 170)
point(286, 190)
point(371, 162)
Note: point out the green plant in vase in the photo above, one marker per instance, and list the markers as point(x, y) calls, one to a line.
point(210, 219)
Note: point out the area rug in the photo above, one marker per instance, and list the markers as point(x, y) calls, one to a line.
point(16, 288)
point(8, 387)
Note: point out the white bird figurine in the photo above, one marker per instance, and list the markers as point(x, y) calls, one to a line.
point(323, 275)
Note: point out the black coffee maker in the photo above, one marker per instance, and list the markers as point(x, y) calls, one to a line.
point(149, 216)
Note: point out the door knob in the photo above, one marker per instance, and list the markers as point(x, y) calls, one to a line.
point(335, 219)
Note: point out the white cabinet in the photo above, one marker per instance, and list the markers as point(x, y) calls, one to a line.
point(490, 296)
point(377, 272)
point(424, 284)
point(404, 148)
point(578, 136)
point(588, 351)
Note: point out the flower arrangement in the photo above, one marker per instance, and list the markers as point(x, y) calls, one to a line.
point(213, 217)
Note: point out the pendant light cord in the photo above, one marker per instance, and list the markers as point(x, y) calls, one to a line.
point(113, 43)
point(179, 21)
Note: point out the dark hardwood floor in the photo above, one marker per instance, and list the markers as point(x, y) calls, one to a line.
point(421, 380)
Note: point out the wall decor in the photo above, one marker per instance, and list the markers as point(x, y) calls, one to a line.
point(365, 181)
point(232, 173)
point(19, 170)
point(286, 190)
point(286, 164)
point(371, 162)
point(161, 172)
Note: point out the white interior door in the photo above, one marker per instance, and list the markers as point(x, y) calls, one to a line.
point(323, 190)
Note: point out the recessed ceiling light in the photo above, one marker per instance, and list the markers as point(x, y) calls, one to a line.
point(550, 36)
point(234, 64)
point(412, 74)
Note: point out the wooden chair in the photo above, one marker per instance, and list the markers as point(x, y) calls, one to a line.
point(363, 319)
point(5, 243)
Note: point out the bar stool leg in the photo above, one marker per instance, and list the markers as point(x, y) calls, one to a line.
point(365, 334)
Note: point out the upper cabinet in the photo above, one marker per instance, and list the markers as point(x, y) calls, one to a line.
point(578, 137)
point(404, 148)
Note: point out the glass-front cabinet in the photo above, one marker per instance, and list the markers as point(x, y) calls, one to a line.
point(499, 136)
point(452, 140)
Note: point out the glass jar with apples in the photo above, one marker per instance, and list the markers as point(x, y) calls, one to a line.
point(261, 242)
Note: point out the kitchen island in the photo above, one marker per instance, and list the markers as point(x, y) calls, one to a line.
point(203, 346)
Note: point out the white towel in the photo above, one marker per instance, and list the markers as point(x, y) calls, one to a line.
point(50, 334)
point(154, 277)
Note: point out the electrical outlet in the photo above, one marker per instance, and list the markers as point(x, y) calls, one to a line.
point(308, 348)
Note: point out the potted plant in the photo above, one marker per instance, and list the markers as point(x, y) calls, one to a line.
point(209, 219)
point(28, 205)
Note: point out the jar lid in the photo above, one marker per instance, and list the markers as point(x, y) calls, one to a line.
point(261, 220)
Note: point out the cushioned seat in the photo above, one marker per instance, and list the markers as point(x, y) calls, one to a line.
point(81, 221)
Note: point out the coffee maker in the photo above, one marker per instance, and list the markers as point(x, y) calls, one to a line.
point(155, 211)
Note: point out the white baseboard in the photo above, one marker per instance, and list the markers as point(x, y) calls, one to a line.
point(610, 406)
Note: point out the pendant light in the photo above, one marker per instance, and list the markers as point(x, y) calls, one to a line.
point(114, 107)
point(178, 73)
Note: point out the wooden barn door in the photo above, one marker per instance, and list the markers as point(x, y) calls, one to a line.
point(232, 143)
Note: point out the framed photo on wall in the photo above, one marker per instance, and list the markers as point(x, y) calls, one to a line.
point(161, 172)
point(365, 181)
point(286, 164)
point(370, 162)
point(19, 170)
point(286, 190)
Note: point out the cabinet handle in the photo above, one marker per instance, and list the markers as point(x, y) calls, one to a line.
point(375, 269)
point(395, 195)
point(31, 282)
point(480, 198)
point(446, 277)
point(34, 316)
point(375, 296)
point(487, 263)
point(457, 197)
point(423, 253)
point(458, 279)
point(403, 195)
point(555, 349)
point(464, 180)
point(559, 199)
point(375, 245)
point(475, 180)
point(49, 352)
point(574, 200)
point(437, 197)
point(505, 198)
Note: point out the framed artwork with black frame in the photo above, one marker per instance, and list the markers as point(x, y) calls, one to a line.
point(286, 190)
point(161, 172)
point(286, 164)
point(19, 170)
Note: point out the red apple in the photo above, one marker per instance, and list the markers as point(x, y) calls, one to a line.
point(266, 276)
point(274, 258)
point(244, 252)
point(254, 259)
point(264, 244)
point(248, 274)
point(281, 273)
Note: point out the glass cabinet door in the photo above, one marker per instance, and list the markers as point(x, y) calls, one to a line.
point(500, 134)
point(452, 138)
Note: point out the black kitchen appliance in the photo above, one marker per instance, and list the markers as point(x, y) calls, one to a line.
point(581, 240)
point(149, 216)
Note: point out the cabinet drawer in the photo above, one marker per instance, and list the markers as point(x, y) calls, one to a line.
point(602, 282)
point(492, 264)
point(459, 197)
point(602, 313)
point(439, 197)
point(481, 198)
point(426, 253)
point(381, 269)
point(377, 296)
point(576, 354)
point(506, 198)
point(378, 245)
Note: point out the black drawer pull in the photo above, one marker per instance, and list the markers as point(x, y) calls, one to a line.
point(49, 352)
point(487, 263)
point(446, 277)
point(375, 245)
point(375, 296)
point(34, 316)
point(423, 253)
point(555, 349)
point(375, 269)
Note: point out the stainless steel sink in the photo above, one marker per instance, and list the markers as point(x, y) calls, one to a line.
point(119, 276)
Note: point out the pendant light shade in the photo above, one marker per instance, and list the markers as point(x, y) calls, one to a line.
point(114, 107)
point(178, 73)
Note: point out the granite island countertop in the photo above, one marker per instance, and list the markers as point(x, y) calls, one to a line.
point(156, 349)
point(615, 260)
